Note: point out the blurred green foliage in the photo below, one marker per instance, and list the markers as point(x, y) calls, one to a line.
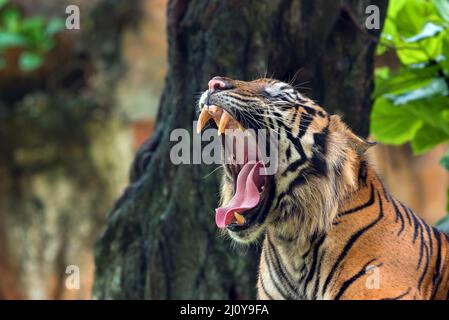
point(34, 34)
point(411, 104)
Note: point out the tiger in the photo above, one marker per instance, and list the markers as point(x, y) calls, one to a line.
point(329, 228)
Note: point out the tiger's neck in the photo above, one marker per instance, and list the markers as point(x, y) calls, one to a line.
point(367, 231)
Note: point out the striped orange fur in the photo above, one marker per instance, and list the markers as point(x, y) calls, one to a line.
point(330, 228)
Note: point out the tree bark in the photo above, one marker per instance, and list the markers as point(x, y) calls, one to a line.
point(161, 241)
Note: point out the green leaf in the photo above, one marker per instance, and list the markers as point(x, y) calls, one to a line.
point(2, 3)
point(445, 162)
point(33, 25)
point(411, 19)
point(10, 18)
point(380, 49)
point(394, 7)
point(9, 39)
point(442, 7)
point(444, 62)
point(33, 30)
point(429, 30)
point(431, 111)
point(382, 73)
point(391, 124)
point(436, 87)
point(428, 137)
point(418, 32)
point(443, 224)
point(29, 61)
point(53, 27)
point(404, 80)
point(413, 104)
point(425, 50)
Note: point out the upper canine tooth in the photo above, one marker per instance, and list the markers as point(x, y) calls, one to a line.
point(202, 120)
point(225, 118)
point(215, 113)
point(213, 108)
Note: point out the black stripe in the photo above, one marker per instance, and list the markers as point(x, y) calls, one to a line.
point(309, 110)
point(265, 289)
point(386, 194)
point(296, 143)
point(356, 236)
point(294, 165)
point(421, 249)
point(429, 233)
point(367, 204)
point(417, 226)
point(426, 267)
point(295, 116)
point(271, 273)
point(317, 279)
point(400, 296)
point(320, 140)
point(398, 215)
point(406, 213)
point(318, 164)
point(283, 272)
point(436, 280)
point(312, 269)
point(304, 124)
point(363, 172)
point(288, 152)
point(351, 280)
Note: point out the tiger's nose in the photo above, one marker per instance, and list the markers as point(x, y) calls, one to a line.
point(218, 84)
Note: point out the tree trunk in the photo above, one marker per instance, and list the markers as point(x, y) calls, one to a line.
point(161, 241)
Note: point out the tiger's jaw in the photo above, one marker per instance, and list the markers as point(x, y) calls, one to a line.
point(247, 188)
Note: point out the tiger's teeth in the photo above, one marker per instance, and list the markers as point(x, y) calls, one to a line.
point(215, 113)
point(224, 120)
point(202, 120)
point(240, 219)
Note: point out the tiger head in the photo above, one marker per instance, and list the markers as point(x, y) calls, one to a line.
point(317, 159)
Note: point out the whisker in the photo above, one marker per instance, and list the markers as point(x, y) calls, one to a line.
point(210, 173)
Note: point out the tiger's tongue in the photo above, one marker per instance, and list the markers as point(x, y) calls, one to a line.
point(247, 196)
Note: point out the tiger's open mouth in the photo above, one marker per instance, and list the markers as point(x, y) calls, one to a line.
point(242, 160)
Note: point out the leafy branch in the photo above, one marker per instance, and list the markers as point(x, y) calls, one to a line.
point(412, 103)
point(33, 35)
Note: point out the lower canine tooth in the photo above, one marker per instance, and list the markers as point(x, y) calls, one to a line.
point(240, 219)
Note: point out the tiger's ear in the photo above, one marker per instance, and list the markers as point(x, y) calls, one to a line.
point(358, 144)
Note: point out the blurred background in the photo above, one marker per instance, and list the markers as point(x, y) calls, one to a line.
point(76, 105)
